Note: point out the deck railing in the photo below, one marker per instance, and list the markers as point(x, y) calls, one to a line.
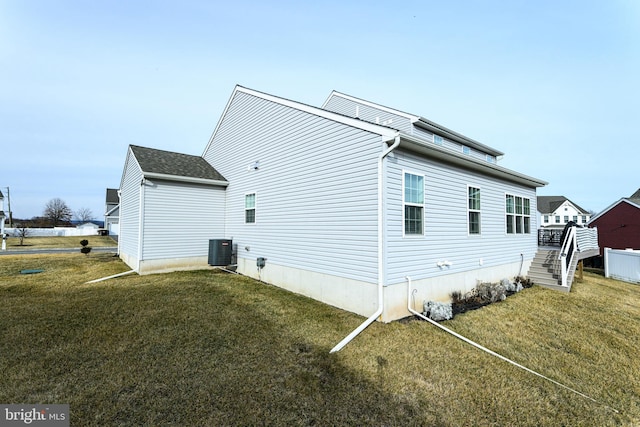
point(576, 239)
point(567, 252)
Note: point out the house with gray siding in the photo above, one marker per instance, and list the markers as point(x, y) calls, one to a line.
point(170, 205)
point(344, 203)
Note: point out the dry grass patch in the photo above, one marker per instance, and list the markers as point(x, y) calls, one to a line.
point(207, 348)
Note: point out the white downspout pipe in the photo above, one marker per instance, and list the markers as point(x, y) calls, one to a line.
point(491, 352)
point(381, 225)
point(140, 223)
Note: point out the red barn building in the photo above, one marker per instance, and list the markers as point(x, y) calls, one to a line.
point(619, 224)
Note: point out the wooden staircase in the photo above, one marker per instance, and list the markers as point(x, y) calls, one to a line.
point(545, 268)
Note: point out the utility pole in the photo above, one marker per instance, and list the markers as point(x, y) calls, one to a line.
point(9, 205)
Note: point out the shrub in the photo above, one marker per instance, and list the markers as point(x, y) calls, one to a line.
point(85, 250)
point(491, 292)
point(84, 242)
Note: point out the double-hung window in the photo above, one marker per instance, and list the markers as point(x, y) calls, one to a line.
point(518, 214)
point(474, 210)
point(413, 204)
point(250, 208)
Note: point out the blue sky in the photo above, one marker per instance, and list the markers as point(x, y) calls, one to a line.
point(553, 84)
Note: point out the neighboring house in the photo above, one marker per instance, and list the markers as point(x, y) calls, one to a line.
point(112, 212)
point(171, 204)
point(619, 224)
point(557, 211)
point(342, 203)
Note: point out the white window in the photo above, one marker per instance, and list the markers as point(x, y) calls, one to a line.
point(250, 208)
point(438, 139)
point(546, 218)
point(466, 150)
point(474, 210)
point(413, 201)
point(518, 214)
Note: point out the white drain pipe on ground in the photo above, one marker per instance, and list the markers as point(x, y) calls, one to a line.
point(380, 309)
point(491, 352)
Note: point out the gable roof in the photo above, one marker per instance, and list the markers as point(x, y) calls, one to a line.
point(423, 123)
point(388, 134)
point(385, 132)
point(174, 166)
point(634, 201)
point(548, 204)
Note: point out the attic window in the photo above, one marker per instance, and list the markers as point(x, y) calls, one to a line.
point(466, 150)
point(438, 139)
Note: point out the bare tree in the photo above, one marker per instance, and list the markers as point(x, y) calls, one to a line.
point(21, 232)
point(57, 211)
point(84, 215)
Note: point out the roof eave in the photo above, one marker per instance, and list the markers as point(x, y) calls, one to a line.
point(187, 179)
point(466, 162)
point(455, 136)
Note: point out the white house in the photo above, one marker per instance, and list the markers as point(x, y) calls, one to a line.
point(342, 203)
point(112, 212)
point(557, 211)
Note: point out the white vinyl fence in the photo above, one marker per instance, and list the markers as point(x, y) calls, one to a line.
point(622, 264)
point(56, 231)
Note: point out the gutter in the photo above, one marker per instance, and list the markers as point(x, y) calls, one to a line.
point(178, 178)
point(378, 313)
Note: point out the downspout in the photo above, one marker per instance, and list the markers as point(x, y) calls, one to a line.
point(491, 352)
point(381, 225)
point(140, 223)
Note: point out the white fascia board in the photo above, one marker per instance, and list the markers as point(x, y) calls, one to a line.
point(611, 206)
point(350, 121)
point(434, 151)
point(112, 210)
point(187, 179)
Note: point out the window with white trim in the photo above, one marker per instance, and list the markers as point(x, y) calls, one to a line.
point(250, 208)
point(474, 210)
point(413, 204)
point(518, 214)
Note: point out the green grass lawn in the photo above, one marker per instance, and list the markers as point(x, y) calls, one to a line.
point(59, 242)
point(210, 348)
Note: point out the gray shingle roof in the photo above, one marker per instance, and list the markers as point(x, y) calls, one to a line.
point(635, 197)
point(112, 196)
point(163, 162)
point(548, 204)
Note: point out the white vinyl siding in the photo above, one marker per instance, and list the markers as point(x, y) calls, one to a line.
point(129, 233)
point(180, 218)
point(446, 228)
point(368, 113)
point(316, 185)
